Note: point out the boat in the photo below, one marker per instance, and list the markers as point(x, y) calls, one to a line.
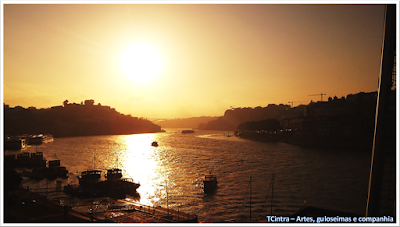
point(52, 171)
point(30, 160)
point(14, 143)
point(210, 183)
point(187, 131)
point(154, 144)
point(37, 159)
point(115, 181)
point(39, 139)
point(114, 185)
point(227, 134)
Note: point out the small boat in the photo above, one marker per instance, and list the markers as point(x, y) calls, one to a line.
point(187, 131)
point(210, 183)
point(154, 144)
point(39, 139)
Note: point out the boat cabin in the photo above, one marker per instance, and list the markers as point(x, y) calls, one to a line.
point(210, 178)
point(210, 183)
point(89, 176)
point(114, 174)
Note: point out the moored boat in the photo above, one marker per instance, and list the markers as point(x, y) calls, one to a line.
point(114, 185)
point(52, 171)
point(14, 143)
point(39, 139)
point(30, 160)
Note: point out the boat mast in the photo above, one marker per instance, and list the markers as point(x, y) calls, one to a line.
point(272, 191)
point(250, 197)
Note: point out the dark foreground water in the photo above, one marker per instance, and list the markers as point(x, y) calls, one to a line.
point(331, 179)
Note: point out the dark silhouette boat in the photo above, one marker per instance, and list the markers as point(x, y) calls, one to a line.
point(90, 184)
point(11, 143)
point(154, 144)
point(187, 131)
point(52, 171)
point(39, 139)
point(210, 183)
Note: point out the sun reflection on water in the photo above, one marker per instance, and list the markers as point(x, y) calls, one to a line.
point(140, 164)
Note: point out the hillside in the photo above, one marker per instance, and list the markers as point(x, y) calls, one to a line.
point(194, 122)
point(73, 120)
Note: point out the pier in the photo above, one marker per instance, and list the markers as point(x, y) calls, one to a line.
point(120, 211)
point(124, 211)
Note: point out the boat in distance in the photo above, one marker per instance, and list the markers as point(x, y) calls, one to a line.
point(187, 131)
point(40, 139)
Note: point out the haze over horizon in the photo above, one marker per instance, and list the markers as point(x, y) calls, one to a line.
point(188, 60)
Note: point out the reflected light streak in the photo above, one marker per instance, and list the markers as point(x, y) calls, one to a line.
point(140, 164)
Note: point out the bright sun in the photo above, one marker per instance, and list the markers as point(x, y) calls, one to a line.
point(141, 63)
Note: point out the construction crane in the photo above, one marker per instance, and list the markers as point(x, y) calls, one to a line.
point(319, 94)
point(294, 102)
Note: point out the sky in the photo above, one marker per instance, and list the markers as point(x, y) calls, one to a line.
point(197, 59)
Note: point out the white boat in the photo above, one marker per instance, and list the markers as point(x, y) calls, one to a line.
point(39, 139)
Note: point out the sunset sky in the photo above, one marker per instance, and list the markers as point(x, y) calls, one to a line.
point(202, 58)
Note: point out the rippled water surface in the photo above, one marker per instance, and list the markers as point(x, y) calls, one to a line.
point(334, 179)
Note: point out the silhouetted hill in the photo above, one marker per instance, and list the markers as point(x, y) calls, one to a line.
point(73, 120)
point(193, 122)
point(235, 116)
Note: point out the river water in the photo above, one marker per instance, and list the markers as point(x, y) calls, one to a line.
point(330, 179)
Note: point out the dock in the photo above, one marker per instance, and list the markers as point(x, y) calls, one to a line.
point(123, 211)
point(33, 206)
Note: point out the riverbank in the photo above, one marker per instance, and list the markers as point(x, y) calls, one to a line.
point(326, 142)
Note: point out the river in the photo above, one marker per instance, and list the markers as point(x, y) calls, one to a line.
point(330, 179)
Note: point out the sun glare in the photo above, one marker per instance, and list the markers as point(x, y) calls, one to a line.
point(141, 62)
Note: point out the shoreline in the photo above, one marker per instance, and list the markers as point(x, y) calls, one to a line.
point(358, 144)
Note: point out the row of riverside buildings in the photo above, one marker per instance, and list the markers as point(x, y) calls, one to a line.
point(336, 122)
